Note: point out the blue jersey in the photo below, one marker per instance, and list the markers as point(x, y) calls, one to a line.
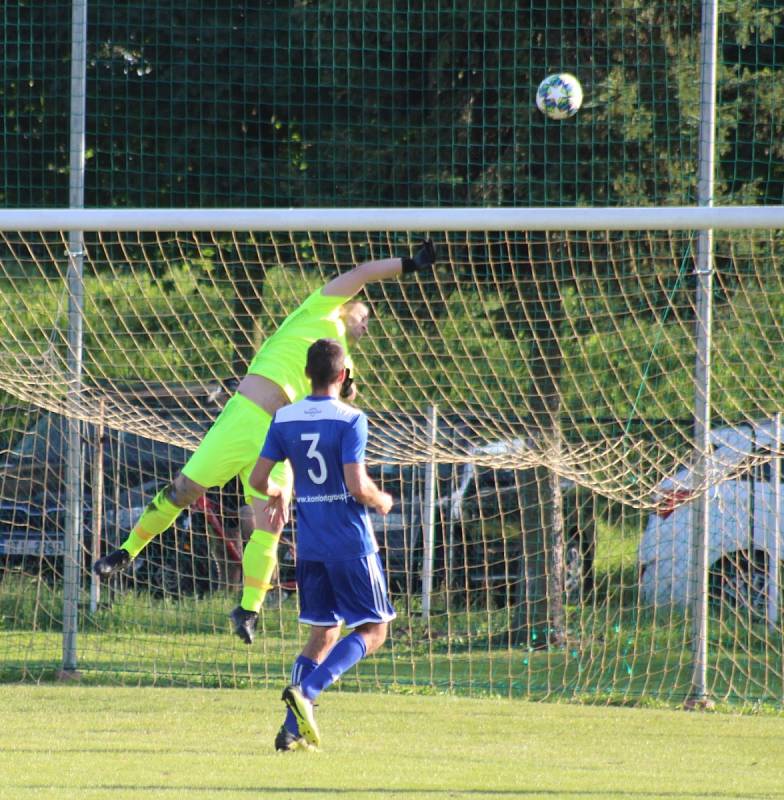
point(318, 435)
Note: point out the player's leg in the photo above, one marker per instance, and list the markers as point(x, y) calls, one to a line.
point(317, 609)
point(259, 559)
point(159, 515)
point(217, 459)
point(361, 599)
point(354, 591)
point(261, 553)
point(348, 652)
point(320, 642)
point(288, 736)
point(161, 512)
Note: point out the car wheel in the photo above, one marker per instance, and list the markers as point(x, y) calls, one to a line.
point(198, 567)
point(165, 581)
point(166, 572)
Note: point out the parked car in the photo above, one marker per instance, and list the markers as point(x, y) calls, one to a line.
point(479, 515)
point(742, 526)
point(190, 559)
point(31, 530)
point(492, 512)
point(399, 532)
point(480, 524)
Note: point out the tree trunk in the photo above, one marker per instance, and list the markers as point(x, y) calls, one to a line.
point(540, 613)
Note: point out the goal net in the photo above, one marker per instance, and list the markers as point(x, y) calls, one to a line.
point(531, 403)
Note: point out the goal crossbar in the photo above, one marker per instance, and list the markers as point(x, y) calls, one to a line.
point(401, 219)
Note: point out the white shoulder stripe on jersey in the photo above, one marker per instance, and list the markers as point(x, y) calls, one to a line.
point(305, 410)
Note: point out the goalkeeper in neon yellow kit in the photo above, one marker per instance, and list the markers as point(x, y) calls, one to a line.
point(231, 447)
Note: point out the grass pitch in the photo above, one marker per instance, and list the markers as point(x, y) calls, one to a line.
point(91, 742)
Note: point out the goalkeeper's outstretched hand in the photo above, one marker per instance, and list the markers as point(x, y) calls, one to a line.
point(422, 258)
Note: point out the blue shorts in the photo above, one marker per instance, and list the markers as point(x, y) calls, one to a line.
point(353, 592)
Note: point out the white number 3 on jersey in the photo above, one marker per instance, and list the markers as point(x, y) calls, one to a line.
point(321, 475)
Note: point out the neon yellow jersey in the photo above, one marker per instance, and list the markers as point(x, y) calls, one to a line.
point(282, 357)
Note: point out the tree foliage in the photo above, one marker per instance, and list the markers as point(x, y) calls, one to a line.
point(270, 103)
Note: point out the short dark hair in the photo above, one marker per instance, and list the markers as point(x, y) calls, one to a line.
point(326, 360)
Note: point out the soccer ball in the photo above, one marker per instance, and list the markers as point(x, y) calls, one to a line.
point(559, 96)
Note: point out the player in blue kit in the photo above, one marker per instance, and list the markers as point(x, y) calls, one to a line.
point(340, 578)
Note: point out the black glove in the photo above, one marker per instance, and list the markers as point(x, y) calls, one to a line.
point(345, 387)
point(424, 257)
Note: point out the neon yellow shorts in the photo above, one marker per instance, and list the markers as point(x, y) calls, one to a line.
point(231, 448)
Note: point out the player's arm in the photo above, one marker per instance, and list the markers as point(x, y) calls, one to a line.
point(364, 489)
point(276, 506)
point(349, 283)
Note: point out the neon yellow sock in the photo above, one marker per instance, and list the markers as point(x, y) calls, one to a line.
point(157, 517)
point(258, 564)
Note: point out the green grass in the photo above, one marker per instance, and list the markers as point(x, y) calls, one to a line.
point(615, 653)
point(71, 741)
point(616, 545)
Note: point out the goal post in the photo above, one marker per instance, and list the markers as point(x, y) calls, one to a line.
point(560, 348)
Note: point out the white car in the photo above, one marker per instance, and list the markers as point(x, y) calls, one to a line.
point(743, 527)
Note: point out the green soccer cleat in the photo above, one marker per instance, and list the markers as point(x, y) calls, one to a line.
point(302, 709)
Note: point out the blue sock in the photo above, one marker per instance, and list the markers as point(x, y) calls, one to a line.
point(300, 670)
point(345, 654)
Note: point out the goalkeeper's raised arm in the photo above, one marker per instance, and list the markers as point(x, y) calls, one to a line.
point(349, 283)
